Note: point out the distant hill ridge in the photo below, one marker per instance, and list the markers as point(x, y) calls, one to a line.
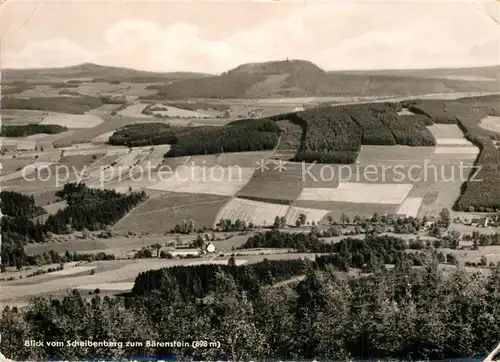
point(283, 78)
point(94, 71)
point(301, 78)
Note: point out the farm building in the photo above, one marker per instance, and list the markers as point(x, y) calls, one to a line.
point(210, 248)
point(483, 222)
point(185, 252)
point(255, 113)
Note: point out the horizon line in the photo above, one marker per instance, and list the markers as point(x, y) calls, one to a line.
point(198, 72)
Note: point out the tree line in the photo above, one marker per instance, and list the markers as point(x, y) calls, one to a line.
point(31, 129)
point(239, 137)
point(71, 105)
point(90, 209)
point(334, 134)
point(402, 313)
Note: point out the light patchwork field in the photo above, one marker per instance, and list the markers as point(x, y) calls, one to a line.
point(156, 156)
point(7, 141)
point(21, 116)
point(491, 123)
point(440, 131)
point(104, 109)
point(160, 214)
point(26, 145)
point(73, 120)
point(272, 184)
point(8, 166)
point(393, 155)
point(465, 151)
point(103, 138)
point(95, 88)
point(359, 193)
point(336, 209)
point(454, 142)
point(174, 112)
point(410, 207)
point(111, 271)
point(74, 270)
point(134, 110)
point(315, 215)
point(259, 213)
point(42, 91)
point(119, 287)
point(225, 181)
point(27, 171)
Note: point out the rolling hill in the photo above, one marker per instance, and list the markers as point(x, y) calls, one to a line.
point(289, 78)
point(299, 78)
point(94, 72)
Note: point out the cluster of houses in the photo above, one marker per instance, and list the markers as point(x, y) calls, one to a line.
point(481, 222)
point(181, 250)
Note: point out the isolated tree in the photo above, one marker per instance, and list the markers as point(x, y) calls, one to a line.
point(158, 248)
point(279, 222)
point(344, 219)
point(199, 242)
point(444, 218)
point(302, 219)
point(330, 219)
point(441, 258)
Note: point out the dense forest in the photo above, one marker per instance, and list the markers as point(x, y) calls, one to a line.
point(145, 134)
point(335, 134)
point(71, 105)
point(90, 209)
point(31, 129)
point(256, 135)
point(403, 313)
point(253, 135)
point(330, 134)
point(228, 85)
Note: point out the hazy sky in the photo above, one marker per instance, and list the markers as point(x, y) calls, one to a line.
point(210, 36)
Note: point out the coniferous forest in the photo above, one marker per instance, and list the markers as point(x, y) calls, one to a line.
point(402, 313)
point(90, 209)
